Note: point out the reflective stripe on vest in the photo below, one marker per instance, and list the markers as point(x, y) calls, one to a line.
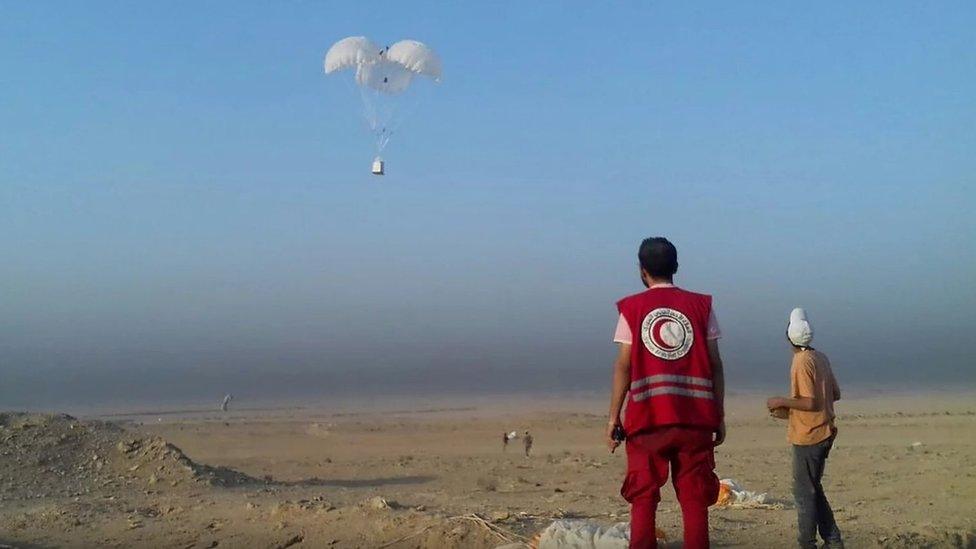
point(666, 378)
point(672, 390)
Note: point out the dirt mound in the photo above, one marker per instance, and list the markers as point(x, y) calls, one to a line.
point(930, 538)
point(44, 455)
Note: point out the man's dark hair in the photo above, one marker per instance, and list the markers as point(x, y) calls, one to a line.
point(658, 257)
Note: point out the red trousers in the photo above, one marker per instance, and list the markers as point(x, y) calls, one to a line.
point(690, 455)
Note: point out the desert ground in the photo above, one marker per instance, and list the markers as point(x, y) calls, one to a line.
point(434, 474)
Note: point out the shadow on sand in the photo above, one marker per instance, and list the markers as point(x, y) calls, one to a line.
point(4, 544)
point(359, 482)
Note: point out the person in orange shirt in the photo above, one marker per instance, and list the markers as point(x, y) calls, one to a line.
point(811, 431)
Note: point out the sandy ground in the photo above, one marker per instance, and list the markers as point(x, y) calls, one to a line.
point(316, 471)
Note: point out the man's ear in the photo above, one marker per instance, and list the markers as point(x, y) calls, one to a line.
point(644, 276)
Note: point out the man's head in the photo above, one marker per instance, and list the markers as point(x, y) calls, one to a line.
point(799, 332)
point(658, 259)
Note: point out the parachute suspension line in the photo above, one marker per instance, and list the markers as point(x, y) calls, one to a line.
point(372, 116)
point(411, 104)
point(383, 115)
point(368, 109)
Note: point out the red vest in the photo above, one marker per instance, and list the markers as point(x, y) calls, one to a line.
point(670, 372)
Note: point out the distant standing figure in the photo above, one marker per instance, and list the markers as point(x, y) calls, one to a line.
point(811, 431)
point(227, 398)
point(527, 441)
point(504, 442)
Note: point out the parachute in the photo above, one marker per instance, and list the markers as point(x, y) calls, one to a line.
point(386, 78)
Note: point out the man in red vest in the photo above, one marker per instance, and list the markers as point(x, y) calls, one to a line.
point(669, 372)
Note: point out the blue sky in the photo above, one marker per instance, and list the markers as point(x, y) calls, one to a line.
point(183, 193)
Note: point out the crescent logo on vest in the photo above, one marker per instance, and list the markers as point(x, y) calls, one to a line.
point(667, 333)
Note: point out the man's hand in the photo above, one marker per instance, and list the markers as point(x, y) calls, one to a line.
point(718, 378)
point(719, 434)
point(618, 394)
point(773, 403)
point(611, 443)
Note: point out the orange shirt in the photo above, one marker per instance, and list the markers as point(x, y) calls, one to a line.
point(811, 377)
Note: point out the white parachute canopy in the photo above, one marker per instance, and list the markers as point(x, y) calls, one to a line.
point(351, 52)
point(385, 77)
point(416, 57)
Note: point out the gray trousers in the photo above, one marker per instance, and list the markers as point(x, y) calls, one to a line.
point(812, 509)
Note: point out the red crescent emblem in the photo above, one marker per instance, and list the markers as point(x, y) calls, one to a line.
point(667, 333)
point(656, 334)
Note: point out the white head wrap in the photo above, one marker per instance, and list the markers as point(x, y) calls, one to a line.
point(799, 331)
